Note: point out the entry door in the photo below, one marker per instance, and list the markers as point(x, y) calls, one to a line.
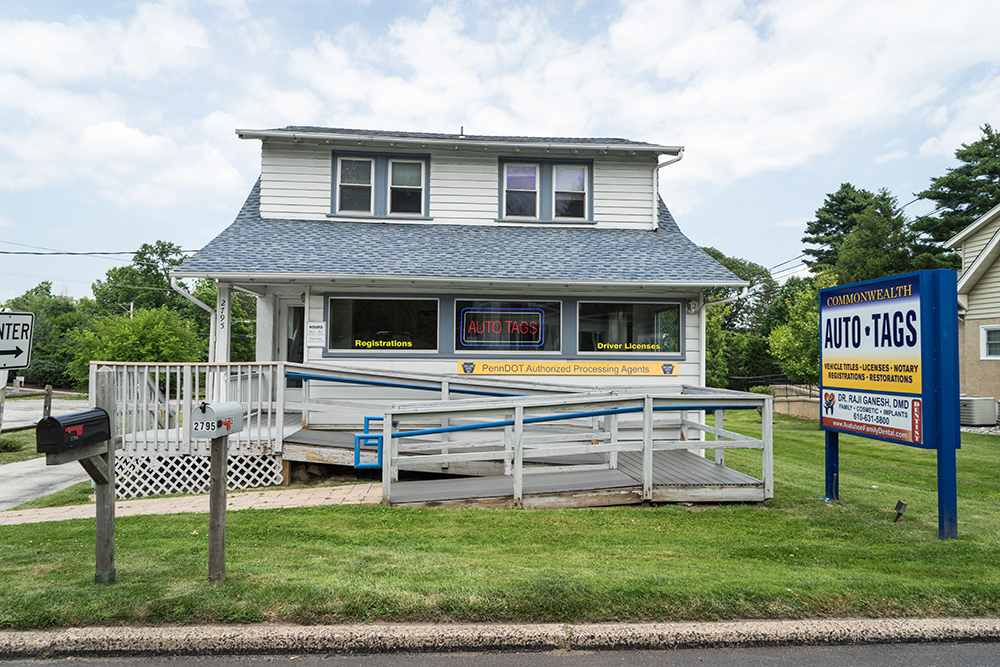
point(291, 336)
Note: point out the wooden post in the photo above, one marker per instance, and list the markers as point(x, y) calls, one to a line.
point(104, 397)
point(720, 454)
point(518, 455)
point(647, 448)
point(47, 402)
point(388, 458)
point(767, 435)
point(217, 510)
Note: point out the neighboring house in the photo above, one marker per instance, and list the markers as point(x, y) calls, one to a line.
point(979, 305)
point(455, 254)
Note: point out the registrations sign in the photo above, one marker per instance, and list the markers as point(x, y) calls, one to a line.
point(872, 358)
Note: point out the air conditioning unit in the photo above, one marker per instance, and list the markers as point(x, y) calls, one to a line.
point(977, 411)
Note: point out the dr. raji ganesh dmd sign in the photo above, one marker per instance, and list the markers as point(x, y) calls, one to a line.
point(889, 370)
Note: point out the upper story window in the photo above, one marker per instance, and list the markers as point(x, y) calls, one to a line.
point(354, 185)
point(546, 190)
point(380, 185)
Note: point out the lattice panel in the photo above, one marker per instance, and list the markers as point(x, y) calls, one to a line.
point(155, 475)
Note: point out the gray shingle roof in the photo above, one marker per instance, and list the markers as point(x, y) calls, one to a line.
point(256, 245)
point(308, 129)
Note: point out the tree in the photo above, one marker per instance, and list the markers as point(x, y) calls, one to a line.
point(796, 343)
point(735, 347)
point(56, 319)
point(747, 313)
point(963, 194)
point(879, 244)
point(148, 335)
point(145, 283)
point(834, 220)
point(779, 308)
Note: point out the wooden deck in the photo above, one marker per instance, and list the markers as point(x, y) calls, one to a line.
point(678, 476)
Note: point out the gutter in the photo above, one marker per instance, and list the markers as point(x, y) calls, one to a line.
point(457, 143)
point(656, 186)
point(746, 289)
point(193, 299)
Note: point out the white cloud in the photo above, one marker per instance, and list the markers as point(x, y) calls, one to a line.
point(899, 154)
point(160, 36)
point(793, 223)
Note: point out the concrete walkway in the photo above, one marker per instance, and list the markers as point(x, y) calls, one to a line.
point(348, 494)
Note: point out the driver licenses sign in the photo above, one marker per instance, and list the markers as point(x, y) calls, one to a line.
point(871, 359)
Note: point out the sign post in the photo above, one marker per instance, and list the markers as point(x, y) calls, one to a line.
point(217, 421)
point(889, 371)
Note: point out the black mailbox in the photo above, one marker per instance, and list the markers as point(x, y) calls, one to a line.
point(73, 431)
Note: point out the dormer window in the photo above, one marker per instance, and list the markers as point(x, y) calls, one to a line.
point(546, 191)
point(406, 187)
point(571, 192)
point(521, 190)
point(354, 185)
point(380, 185)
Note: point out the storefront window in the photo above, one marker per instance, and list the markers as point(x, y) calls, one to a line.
point(533, 326)
point(383, 324)
point(642, 328)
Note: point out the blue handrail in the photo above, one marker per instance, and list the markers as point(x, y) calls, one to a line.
point(398, 385)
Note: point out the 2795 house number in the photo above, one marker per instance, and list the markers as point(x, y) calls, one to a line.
point(212, 425)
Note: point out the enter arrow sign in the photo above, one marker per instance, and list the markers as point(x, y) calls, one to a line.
point(16, 352)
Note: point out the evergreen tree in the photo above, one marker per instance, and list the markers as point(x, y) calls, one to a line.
point(878, 246)
point(963, 194)
point(834, 220)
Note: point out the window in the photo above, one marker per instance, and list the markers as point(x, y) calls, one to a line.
point(546, 191)
point(406, 187)
point(382, 324)
point(354, 186)
point(989, 342)
point(521, 191)
point(571, 192)
point(488, 325)
point(380, 185)
point(644, 328)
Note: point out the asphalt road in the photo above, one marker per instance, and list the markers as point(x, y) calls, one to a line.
point(27, 480)
point(977, 654)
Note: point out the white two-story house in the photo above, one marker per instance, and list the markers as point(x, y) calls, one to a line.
point(518, 257)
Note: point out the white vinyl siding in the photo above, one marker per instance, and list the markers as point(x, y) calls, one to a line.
point(296, 183)
point(623, 192)
point(975, 244)
point(984, 300)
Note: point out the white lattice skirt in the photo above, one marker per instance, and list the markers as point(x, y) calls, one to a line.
point(138, 476)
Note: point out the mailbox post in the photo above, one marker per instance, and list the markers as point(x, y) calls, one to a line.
point(88, 437)
point(217, 421)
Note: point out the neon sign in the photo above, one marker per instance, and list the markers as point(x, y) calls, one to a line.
point(503, 327)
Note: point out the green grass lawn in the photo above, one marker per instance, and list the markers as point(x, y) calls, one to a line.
point(795, 556)
point(17, 446)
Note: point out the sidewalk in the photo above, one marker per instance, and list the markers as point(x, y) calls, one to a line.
point(348, 494)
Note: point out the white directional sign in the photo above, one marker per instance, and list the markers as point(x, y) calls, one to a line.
point(16, 330)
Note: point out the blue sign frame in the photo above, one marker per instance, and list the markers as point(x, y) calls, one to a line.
point(936, 416)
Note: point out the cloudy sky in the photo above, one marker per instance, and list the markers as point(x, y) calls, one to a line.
point(117, 118)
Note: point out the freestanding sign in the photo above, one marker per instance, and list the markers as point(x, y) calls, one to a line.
point(889, 371)
point(16, 330)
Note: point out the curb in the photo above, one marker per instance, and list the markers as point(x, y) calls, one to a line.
point(276, 640)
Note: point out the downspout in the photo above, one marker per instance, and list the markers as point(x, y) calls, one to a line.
point(656, 187)
point(187, 295)
point(746, 288)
